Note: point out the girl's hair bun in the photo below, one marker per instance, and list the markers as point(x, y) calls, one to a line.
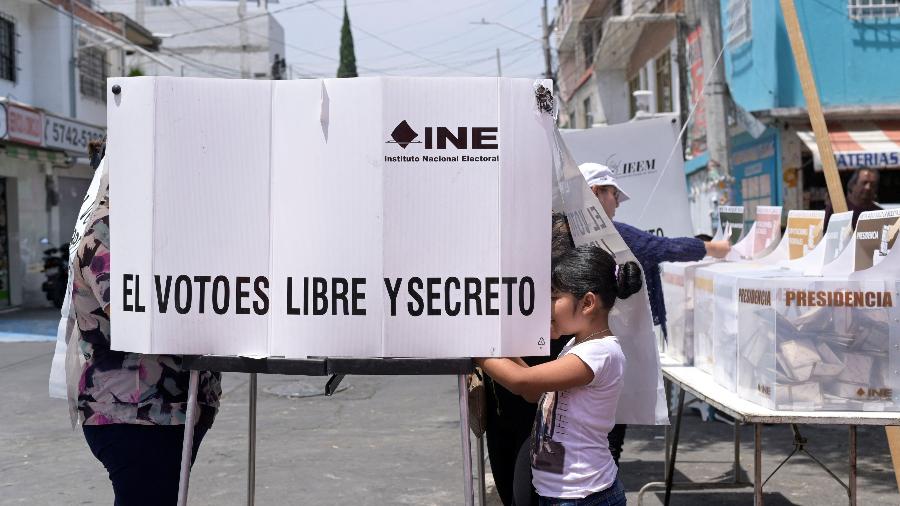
point(628, 279)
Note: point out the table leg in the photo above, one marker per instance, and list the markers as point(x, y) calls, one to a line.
point(251, 444)
point(479, 453)
point(737, 452)
point(466, 442)
point(757, 465)
point(851, 489)
point(670, 467)
point(187, 444)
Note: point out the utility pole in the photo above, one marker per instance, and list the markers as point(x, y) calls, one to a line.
point(715, 88)
point(545, 41)
point(242, 13)
point(73, 62)
point(499, 69)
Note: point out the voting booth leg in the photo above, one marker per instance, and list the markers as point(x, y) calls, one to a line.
point(187, 444)
point(670, 468)
point(466, 443)
point(757, 465)
point(251, 444)
point(737, 452)
point(851, 489)
point(479, 453)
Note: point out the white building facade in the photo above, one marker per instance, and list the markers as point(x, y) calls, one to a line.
point(209, 38)
point(53, 70)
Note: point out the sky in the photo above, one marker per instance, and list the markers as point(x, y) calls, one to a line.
point(415, 37)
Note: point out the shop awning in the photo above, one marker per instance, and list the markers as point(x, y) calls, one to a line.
point(859, 144)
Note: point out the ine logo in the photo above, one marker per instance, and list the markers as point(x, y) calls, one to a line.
point(404, 135)
point(439, 137)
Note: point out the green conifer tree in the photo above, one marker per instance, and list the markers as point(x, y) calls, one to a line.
point(347, 68)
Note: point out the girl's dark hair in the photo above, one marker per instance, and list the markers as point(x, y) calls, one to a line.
point(590, 268)
point(561, 238)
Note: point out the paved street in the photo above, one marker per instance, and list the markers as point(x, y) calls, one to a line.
point(382, 440)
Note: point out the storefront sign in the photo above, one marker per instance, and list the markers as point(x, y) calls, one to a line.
point(23, 125)
point(864, 160)
point(417, 226)
point(69, 135)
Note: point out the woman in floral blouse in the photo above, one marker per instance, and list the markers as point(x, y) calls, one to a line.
point(132, 406)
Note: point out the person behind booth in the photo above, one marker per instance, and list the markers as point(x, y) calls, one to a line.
point(650, 250)
point(132, 406)
point(578, 392)
point(862, 190)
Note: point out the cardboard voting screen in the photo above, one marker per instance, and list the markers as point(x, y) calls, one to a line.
point(647, 165)
point(363, 217)
point(802, 233)
point(764, 232)
point(731, 224)
point(870, 243)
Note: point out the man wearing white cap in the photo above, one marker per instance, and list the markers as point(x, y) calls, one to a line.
point(650, 250)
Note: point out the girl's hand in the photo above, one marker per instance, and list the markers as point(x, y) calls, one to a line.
point(479, 361)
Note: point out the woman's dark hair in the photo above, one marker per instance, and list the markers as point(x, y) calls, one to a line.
point(561, 237)
point(590, 268)
point(96, 150)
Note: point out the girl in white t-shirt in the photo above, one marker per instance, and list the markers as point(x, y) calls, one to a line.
point(578, 392)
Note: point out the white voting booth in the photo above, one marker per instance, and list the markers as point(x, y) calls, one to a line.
point(365, 217)
point(416, 226)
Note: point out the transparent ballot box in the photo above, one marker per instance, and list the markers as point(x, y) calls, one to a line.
point(705, 317)
point(678, 292)
point(818, 343)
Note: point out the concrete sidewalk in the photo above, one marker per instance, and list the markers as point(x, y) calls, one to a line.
point(382, 440)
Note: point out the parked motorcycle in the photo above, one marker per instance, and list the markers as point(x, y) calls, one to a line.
point(56, 269)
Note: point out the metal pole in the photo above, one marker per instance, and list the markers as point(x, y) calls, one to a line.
point(670, 467)
point(737, 452)
point(757, 465)
point(482, 494)
point(852, 485)
point(545, 41)
point(251, 444)
point(242, 26)
point(187, 444)
point(72, 61)
point(466, 443)
point(499, 70)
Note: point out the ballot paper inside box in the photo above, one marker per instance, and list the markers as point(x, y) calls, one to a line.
point(705, 317)
point(818, 343)
point(725, 316)
point(678, 292)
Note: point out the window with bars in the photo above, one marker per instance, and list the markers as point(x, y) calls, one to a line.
point(873, 9)
point(92, 73)
point(738, 15)
point(7, 48)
